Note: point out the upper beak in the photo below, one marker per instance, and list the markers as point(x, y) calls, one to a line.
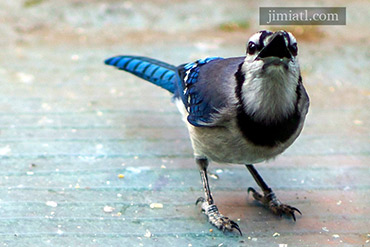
point(276, 48)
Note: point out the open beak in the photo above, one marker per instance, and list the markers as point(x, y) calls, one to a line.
point(276, 48)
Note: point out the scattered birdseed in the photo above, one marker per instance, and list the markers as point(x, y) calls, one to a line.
point(51, 204)
point(5, 150)
point(358, 122)
point(346, 188)
point(25, 78)
point(45, 106)
point(156, 205)
point(121, 176)
point(276, 234)
point(75, 57)
point(325, 229)
point(108, 209)
point(147, 234)
point(134, 170)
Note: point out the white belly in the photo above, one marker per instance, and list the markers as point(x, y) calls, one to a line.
point(228, 145)
point(224, 145)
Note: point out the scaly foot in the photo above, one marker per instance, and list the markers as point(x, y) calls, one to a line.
point(270, 200)
point(216, 218)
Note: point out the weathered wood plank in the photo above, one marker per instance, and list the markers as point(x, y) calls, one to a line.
point(69, 125)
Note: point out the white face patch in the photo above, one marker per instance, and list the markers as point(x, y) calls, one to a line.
point(258, 41)
point(255, 38)
point(292, 38)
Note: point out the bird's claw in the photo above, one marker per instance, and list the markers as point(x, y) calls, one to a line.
point(220, 221)
point(271, 201)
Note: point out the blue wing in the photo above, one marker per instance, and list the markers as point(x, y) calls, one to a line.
point(203, 86)
point(193, 90)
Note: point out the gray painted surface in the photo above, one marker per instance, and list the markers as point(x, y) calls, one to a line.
point(70, 125)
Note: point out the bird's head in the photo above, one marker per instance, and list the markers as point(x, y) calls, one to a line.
point(271, 72)
point(272, 53)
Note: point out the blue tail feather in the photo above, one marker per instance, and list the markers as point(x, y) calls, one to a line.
point(157, 72)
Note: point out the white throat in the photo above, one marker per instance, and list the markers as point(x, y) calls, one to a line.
point(270, 95)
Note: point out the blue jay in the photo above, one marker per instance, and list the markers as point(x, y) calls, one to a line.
point(240, 110)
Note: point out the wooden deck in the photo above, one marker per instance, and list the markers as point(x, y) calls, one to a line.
point(92, 156)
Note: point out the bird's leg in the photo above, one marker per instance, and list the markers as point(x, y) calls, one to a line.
point(268, 198)
point(208, 207)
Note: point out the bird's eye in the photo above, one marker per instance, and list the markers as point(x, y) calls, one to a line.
point(252, 48)
point(293, 49)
